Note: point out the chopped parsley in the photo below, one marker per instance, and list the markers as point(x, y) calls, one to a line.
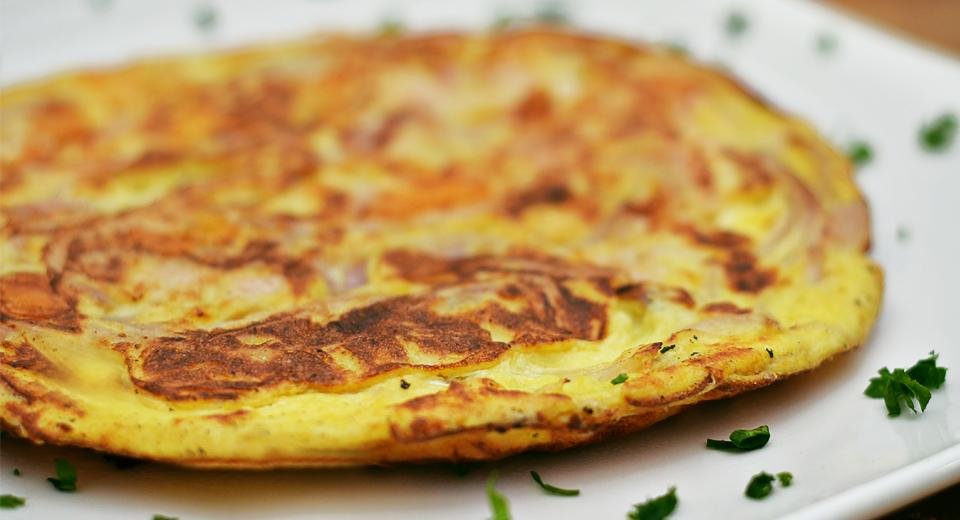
point(66, 479)
point(656, 508)
point(404, 384)
point(927, 373)
point(903, 234)
point(16, 472)
point(736, 24)
point(164, 517)
point(785, 478)
point(760, 486)
point(553, 490)
point(906, 386)
point(667, 348)
point(499, 506)
point(743, 440)
point(552, 13)
point(205, 18)
point(390, 27)
point(770, 352)
point(502, 23)
point(937, 135)
point(826, 43)
point(860, 153)
point(11, 501)
point(622, 378)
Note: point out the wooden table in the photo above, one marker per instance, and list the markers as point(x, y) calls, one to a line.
point(933, 22)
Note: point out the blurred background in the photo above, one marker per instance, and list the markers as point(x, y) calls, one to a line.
point(933, 22)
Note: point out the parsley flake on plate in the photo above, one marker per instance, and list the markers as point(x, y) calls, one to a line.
point(826, 43)
point(553, 490)
point(622, 378)
point(11, 501)
point(205, 18)
point(164, 517)
point(860, 153)
point(16, 472)
point(743, 440)
point(552, 13)
point(785, 478)
point(760, 486)
point(66, 479)
point(499, 506)
point(937, 135)
point(736, 24)
point(656, 508)
point(502, 23)
point(903, 234)
point(907, 386)
point(927, 373)
point(390, 27)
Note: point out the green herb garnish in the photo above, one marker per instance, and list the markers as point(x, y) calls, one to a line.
point(619, 379)
point(164, 517)
point(205, 18)
point(499, 505)
point(656, 508)
point(390, 27)
point(16, 472)
point(667, 348)
point(743, 440)
point(937, 135)
point(736, 24)
point(860, 153)
point(785, 478)
point(66, 479)
point(906, 386)
point(552, 13)
point(770, 352)
point(553, 490)
point(502, 23)
point(903, 234)
point(826, 43)
point(927, 373)
point(760, 486)
point(11, 501)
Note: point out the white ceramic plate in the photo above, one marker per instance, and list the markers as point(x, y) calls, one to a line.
point(849, 460)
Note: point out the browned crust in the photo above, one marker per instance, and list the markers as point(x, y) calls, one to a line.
point(30, 297)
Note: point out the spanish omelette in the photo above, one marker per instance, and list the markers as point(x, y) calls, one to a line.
point(354, 250)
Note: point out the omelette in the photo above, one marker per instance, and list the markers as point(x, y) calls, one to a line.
point(353, 250)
